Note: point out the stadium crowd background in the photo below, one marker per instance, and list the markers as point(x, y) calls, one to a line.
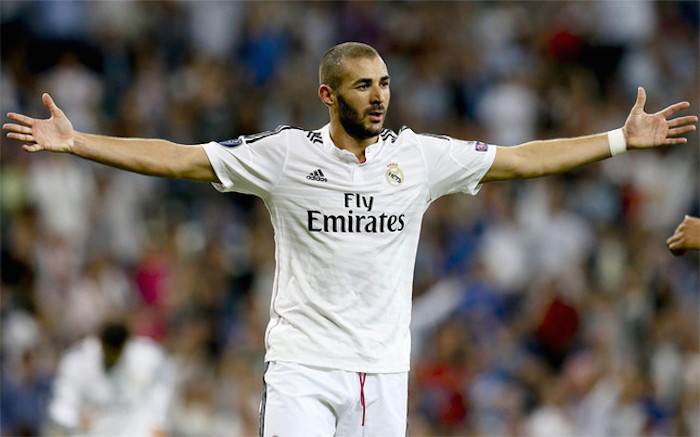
point(543, 307)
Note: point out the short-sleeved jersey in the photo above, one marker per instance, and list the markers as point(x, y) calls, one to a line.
point(132, 399)
point(346, 235)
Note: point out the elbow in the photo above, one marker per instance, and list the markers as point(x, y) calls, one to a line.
point(183, 174)
point(177, 166)
point(527, 165)
point(532, 171)
point(510, 163)
point(167, 170)
point(174, 172)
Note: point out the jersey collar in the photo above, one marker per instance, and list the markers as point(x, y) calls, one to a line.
point(345, 155)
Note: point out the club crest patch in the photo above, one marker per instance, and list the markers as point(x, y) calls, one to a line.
point(394, 175)
point(481, 147)
point(232, 143)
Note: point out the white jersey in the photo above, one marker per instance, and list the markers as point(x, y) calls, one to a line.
point(346, 235)
point(131, 400)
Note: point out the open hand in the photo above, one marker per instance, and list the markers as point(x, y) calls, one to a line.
point(649, 130)
point(55, 134)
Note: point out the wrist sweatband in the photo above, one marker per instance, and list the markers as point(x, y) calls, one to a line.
point(617, 142)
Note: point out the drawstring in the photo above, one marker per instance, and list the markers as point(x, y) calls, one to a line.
point(362, 376)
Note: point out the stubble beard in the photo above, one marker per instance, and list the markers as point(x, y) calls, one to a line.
point(351, 120)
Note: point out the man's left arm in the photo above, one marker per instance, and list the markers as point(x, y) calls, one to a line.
point(641, 131)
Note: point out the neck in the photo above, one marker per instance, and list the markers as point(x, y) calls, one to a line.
point(343, 140)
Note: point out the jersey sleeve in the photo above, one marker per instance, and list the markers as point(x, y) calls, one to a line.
point(66, 402)
point(248, 164)
point(455, 165)
point(158, 375)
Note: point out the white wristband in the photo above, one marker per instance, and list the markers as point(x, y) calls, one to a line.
point(618, 145)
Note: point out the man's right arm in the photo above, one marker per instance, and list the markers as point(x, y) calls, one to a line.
point(146, 156)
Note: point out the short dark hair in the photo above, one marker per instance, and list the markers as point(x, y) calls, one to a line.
point(113, 335)
point(331, 71)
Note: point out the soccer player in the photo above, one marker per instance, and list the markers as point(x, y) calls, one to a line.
point(346, 203)
point(112, 384)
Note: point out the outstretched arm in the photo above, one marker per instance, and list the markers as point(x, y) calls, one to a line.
point(641, 130)
point(147, 156)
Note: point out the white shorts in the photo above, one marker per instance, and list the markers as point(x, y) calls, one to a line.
point(306, 401)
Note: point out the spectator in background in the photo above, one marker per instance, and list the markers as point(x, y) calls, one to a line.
point(79, 86)
point(113, 384)
point(24, 394)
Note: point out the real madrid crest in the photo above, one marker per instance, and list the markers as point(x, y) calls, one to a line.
point(394, 175)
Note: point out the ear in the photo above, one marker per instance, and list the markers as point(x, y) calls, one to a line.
point(327, 95)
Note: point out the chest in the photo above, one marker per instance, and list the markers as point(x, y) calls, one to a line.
point(121, 386)
point(387, 183)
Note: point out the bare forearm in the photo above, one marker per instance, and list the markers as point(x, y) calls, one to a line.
point(153, 157)
point(549, 157)
point(144, 156)
point(541, 158)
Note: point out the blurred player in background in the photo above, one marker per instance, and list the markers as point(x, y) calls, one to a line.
point(686, 236)
point(113, 384)
point(346, 202)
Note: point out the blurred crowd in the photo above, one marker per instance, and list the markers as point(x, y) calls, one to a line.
point(546, 307)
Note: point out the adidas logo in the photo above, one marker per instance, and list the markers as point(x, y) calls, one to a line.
point(317, 175)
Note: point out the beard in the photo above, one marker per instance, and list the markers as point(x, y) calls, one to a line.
point(351, 120)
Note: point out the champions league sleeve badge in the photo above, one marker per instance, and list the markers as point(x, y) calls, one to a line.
point(394, 175)
point(232, 143)
point(481, 147)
